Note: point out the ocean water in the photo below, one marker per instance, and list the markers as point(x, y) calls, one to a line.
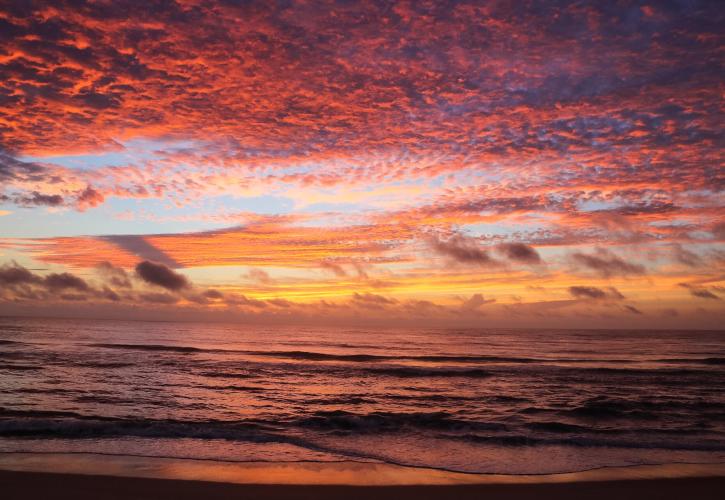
point(485, 401)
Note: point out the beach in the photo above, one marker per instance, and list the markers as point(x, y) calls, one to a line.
point(79, 487)
point(36, 485)
point(89, 476)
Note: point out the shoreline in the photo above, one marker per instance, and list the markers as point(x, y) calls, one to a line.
point(39, 485)
point(342, 473)
point(31, 476)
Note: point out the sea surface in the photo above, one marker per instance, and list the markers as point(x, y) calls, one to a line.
point(479, 400)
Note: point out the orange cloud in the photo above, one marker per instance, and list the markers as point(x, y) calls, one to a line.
point(439, 155)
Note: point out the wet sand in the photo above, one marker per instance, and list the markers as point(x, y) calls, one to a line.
point(38, 485)
point(82, 476)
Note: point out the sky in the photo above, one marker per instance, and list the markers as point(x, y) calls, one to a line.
point(449, 163)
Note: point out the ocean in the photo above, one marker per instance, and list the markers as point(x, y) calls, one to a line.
point(478, 400)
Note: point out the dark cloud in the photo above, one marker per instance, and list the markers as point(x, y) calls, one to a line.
point(607, 264)
point(462, 249)
point(13, 274)
point(718, 230)
point(65, 281)
point(89, 198)
point(703, 294)
point(139, 246)
point(16, 170)
point(632, 309)
point(614, 293)
point(519, 252)
point(213, 294)
point(699, 292)
point(588, 292)
point(467, 250)
point(686, 257)
point(334, 268)
point(160, 275)
point(592, 292)
point(39, 199)
point(18, 282)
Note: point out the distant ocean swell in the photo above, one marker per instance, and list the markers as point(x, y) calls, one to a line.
point(317, 356)
point(69, 425)
point(381, 364)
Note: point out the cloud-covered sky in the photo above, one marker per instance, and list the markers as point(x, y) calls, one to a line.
point(455, 163)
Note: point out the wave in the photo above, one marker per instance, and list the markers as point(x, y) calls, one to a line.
point(558, 427)
point(371, 358)
point(341, 400)
point(322, 419)
point(642, 372)
point(416, 372)
point(32, 423)
point(101, 399)
point(227, 375)
point(437, 398)
point(11, 355)
point(340, 420)
point(111, 428)
point(91, 364)
point(34, 390)
point(20, 367)
point(152, 347)
point(602, 407)
point(494, 365)
point(7, 412)
point(702, 361)
point(318, 356)
point(579, 425)
point(629, 441)
point(239, 388)
point(439, 425)
point(675, 376)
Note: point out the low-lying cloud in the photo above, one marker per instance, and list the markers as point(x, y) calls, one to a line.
point(606, 263)
point(467, 250)
point(160, 275)
point(519, 252)
point(592, 292)
point(463, 249)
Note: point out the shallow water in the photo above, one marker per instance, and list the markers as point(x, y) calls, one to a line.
point(493, 401)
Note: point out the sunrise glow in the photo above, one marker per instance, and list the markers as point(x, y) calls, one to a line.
point(465, 164)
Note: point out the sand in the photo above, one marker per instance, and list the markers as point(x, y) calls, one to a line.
point(83, 476)
point(37, 485)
